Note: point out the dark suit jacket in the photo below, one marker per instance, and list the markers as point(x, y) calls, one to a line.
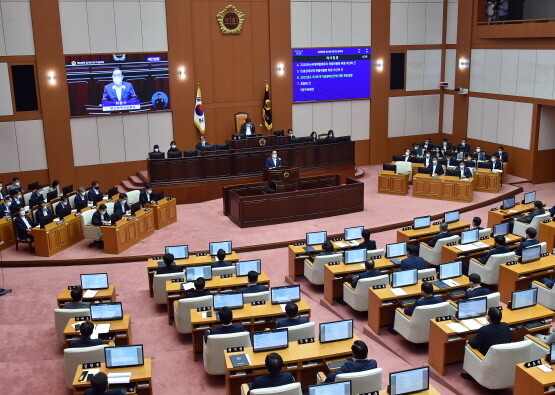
point(413, 262)
point(195, 294)
point(80, 202)
point(118, 207)
point(224, 330)
point(18, 203)
point(200, 147)
point(221, 264)
point(495, 251)
point(525, 244)
point(497, 165)
point(452, 162)
point(552, 211)
point(366, 274)
point(480, 291)
point(531, 216)
point(417, 151)
point(466, 148)
point(439, 168)
point(287, 322)
point(250, 289)
point(504, 156)
point(39, 214)
point(35, 199)
point(352, 367)
point(467, 172)
point(272, 380)
point(369, 245)
point(481, 155)
point(243, 130)
point(127, 93)
point(169, 269)
point(61, 211)
point(422, 302)
point(437, 237)
point(3, 209)
point(270, 162)
point(108, 392)
point(143, 198)
point(91, 194)
point(97, 218)
point(21, 228)
point(85, 343)
point(491, 335)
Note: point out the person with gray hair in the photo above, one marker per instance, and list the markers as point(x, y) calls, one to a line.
point(443, 233)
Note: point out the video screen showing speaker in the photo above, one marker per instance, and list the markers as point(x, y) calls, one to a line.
point(117, 83)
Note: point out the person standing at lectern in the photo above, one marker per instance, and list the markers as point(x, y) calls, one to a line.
point(247, 129)
point(273, 161)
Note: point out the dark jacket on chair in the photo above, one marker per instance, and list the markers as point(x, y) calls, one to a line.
point(287, 322)
point(272, 380)
point(473, 293)
point(495, 251)
point(97, 218)
point(85, 343)
point(21, 228)
point(224, 330)
point(526, 244)
point(369, 245)
point(250, 289)
point(413, 262)
point(439, 236)
point(491, 335)
point(351, 367)
point(366, 274)
point(423, 302)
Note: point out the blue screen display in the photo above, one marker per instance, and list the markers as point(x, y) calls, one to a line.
point(321, 74)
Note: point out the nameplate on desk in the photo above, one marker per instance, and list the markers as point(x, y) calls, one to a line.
point(8, 218)
point(407, 228)
point(157, 257)
point(444, 318)
point(169, 198)
point(77, 214)
point(130, 219)
point(83, 318)
point(333, 263)
point(90, 365)
point(226, 275)
point(544, 254)
point(298, 244)
point(201, 254)
point(531, 364)
point(381, 286)
point(258, 302)
point(306, 341)
point(371, 393)
point(452, 244)
point(337, 239)
point(70, 287)
point(436, 223)
point(204, 308)
point(484, 237)
point(431, 278)
point(146, 208)
point(511, 263)
point(235, 349)
point(547, 221)
point(376, 257)
point(494, 209)
point(177, 280)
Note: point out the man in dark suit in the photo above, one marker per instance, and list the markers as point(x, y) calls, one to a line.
point(199, 290)
point(413, 261)
point(443, 233)
point(436, 167)
point(370, 272)
point(274, 378)
point(463, 146)
point(475, 289)
point(407, 156)
point(169, 265)
point(450, 161)
point(502, 155)
point(2, 193)
point(253, 287)
point(445, 146)
point(101, 216)
point(5, 210)
point(495, 164)
point(427, 292)
point(327, 249)
point(226, 317)
point(464, 172)
point(221, 262)
point(99, 385)
point(80, 201)
point(496, 332)
point(14, 186)
point(427, 145)
point(76, 301)
point(247, 129)
point(121, 204)
point(62, 208)
point(36, 197)
point(273, 161)
point(23, 225)
point(43, 212)
point(145, 196)
point(531, 240)
point(499, 248)
point(428, 160)
point(292, 311)
point(18, 200)
point(86, 330)
point(476, 222)
point(95, 190)
point(119, 90)
point(538, 210)
point(360, 363)
point(202, 144)
point(480, 155)
point(367, 243)
point(417, 150)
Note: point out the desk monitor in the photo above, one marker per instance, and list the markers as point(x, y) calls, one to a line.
point(451, 216)
point(353, 233)
point(422, 222)
point(524, 298)
point(176, 154)
point(242, 268)
point(453, 173)
point(531, 254)
point(395, 250)
point(135, 207)
point(32, 186)
point(404, 278)
point(509, 203)
point(94, 281)
point(124, 356)
point(472, 308)
point(233, 300)
point(106, 311)
point(529, 197)
point(224, 245)
point(112, 191)
point(276, 339)
point(178, 252)
point(115, 217)
point(450, 270)
point(46, 220)
point(336, 331)
point(282, 295)
point(316, 238)
point(552, 354)
point(501, 229)
point(409, 381)
point(339, 388)
point(470, 236)
point(97, 198)
point(390, 167)
point(51, 195)
point(194, 272)
point(425, 170)
point(67, 189)
point(355, 256)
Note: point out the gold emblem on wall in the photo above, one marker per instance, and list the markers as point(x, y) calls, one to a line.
point(231, 20)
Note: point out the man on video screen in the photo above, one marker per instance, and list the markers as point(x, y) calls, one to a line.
point(119, 90)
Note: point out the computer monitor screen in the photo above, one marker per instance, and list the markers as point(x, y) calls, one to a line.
point(112, 191)
point(315, 238)
point(124, 356)
point(529, 197)
point(270, 340)
point(94, 281)
point(451, 216)
point(450, 270)
point(353, 233)
point(194, 272)
point(135, 207)
point(242, 268)
point(281, 295)
point(422, 222)
point(409, 381)
point(67, 190)
point(524, 298)
point(552, 354)
point(531, 254)
point(339, 388)
point(509, 203)
point(178, 252)
point(106, 311)
point(470, 236)
point(472, 308)
point(233, 300)
point(501, 229)
point(395, 250)
point(404, 278)
point(355, 256)
point(336, 331)
point(51, 195)
point(224, 245)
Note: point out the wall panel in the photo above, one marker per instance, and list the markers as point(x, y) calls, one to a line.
point(5, 91)
point(84, 135)
point(160, 129)
point(545, 74)
point(129, 36)
point(546, 139)
point(430, 114)
point(321, 17)
point(396, 117)
point(505, 123)
point(30, 145)
point(75, 26)
point(509, 72)
point(153, 26)
point(110, 139)
point(450, 67)
point(102, 26)
point(17, 28)
point(477, 70)
point(135, 134)
point(413, 115)
point(493, 71)
point(341, 22)
point(475, 113)
point(452, 22)
point(522, 136)
point(301, 24)
point(448, 108)
point(361, 27)
point(8, 148)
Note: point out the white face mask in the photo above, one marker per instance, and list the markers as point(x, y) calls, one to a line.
point(22, 213)
point(462, 167)
point(103, 212)
point(8, 204)
point(427, 156)
point(156, 150)
point(173, 146)
point(124, 201)
point(477, 149)
point(274, 156)
point(44, 209)
point(407, 153)
point(500, 152)
point(149, 191)
point(493, 159)
point(17, 184)
point(435, 163)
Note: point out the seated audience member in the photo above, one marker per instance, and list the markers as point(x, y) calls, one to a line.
point(313, 137)
point(121, 204)
point(427, 293)
point(94, 191)
point(221, 260)
point(145, 197)
point(14, 186)
point(226, 317)
point(290, 133)
point(538, 210)
point(274, 378)
point(427, 145)
point(530, 241)
point(253, 285)
point(23, 225)
point(169, 265)
point(199, 290)
point(495, 164)
point(445, 146)
point(502, 155)
point(367, 243)
point(81, 201)
point(2, 193)
point(417, 150)
point(18, 200)
point(428, 160)
point(36, 197)
point(481, 156)
point(407, 156)
point(56, 187)
point(476, 222)
point(450, 161)
point(63, 208)
point(5, 209)
point(330, 138)
point(496, 332)
point(475, 289)
point(43, 212)
point(360, 363)
point(436, 167)
point(101, 216)
point(202, 144)
point(99, 386)
point(547, 338)
point(86, 330)
point(370, 272)
point(327, 249)
point(443, 233)
point(499, 248)
point(464, 172)
point(552, 211)
point(469, 162)
point(463, 146)
point(292, 311)
point(76, 301)
point(413, 261)
point(173, 147)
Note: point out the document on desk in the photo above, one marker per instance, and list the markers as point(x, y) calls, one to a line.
point(398, 291)
point(187, 286)
point(471, 324)
point(353, 243)
point(466, 247)
point(451, 283)
point(457, 327)
point(545, 368)
point(481, 245)
point(482, 320)
point(90, 293)
point(119, 378)
point(100, 328)
point(342, 244)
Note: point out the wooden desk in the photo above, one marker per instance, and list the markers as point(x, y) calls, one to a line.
point(487, 181)
point(253, 318)
point(431, 391)
point(443, 188)
point(141, 377)
point(547, 234)
point(382, 302)
point(447, 346)
point(216, 285)
point(57, 237)
point(301, 360)
point(498, 216)
point(193, 260)
point(452, 253)
point(120, 331)
point(420, 235)
point(6, 233)
point(533, 381)
point(516, 277)
point(165, 212)
point(102, 295)
point(126, 233)
point(393, 183)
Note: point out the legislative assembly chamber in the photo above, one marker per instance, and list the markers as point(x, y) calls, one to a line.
point(277, 197)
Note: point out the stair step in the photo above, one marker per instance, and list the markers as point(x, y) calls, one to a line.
point(128, 186)
point(122, 189)
point(137, 181)
point(143, 175)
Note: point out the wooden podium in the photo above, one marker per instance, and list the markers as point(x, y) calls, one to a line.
point(287, 178)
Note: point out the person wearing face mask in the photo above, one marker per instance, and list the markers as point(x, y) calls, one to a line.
point(428, 160)
point(36, 197)
point(122, 204)
point(463, 146)
point(247, 129)
point(495, 164)
point(17, 199)
point(427, 145)
point(62, 208)
point(23, 225)
point(445, 146)
point(14, 186)
point(450, 161)
point(480, 155)
point(313, 137)
point(2, 195)
point(101, 216)
point(502, 155)
point(407, 156)
point(145, 197)
point(173, 148)
point(203, 144)
point(94, 192)
point(81, 200)
point(273, 161)
point(416, 150)
point(464, 172)
point(5, 210)
point(43, 213)
point(119, 90)
point(156, 154)
point(436, 167)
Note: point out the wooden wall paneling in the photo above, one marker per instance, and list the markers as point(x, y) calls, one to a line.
point(108, 175)
point(28, 177)
point(362, 152)
point(261, 58)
